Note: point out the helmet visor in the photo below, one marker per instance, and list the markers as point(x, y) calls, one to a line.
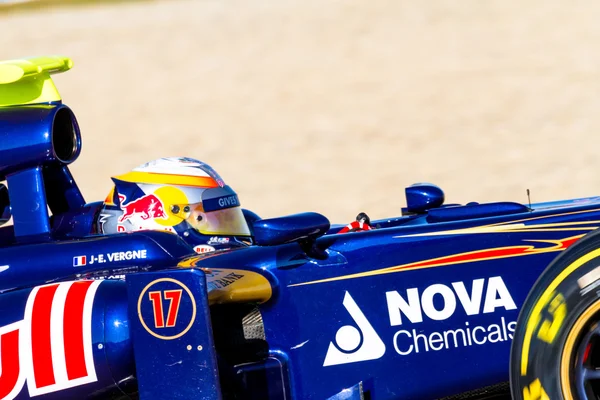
point(218, 213)
point(227, 221)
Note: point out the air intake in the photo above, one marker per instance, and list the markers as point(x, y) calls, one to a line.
point(33, 136)
point(66, 141)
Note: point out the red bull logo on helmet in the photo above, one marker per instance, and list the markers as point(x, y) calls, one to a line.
point(146, 207)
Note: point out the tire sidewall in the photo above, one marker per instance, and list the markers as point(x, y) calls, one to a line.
point(544, 356)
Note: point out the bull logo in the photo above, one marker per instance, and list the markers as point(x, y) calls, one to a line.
point(147, 207)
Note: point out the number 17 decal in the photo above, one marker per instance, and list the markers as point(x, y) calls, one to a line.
point(174, 297)
point(166, 308)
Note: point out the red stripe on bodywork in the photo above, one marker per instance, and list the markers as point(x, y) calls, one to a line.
point(73, 330)
point(474, 256)
point(550, 245)
point(487, 254)
point(41, 348)
point(568, 242)
point(9, 344)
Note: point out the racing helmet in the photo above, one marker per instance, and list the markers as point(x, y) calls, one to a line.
point(179, 195)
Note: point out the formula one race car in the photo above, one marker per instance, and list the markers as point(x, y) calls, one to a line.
point(422, 306)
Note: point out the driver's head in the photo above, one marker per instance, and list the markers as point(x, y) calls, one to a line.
point(179, 195)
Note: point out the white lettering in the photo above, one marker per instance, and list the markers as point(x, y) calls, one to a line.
point(412, 309)
point(494, 331)
point(449, 302)
point(468, 334)
point(495, 287)
point(473, 303)
point(413, 305)
point(475, 337)
point(511, 328)
point(228, 201)
point(454, 335)
point(422, 341)
point(434, 338)
point(127, 255)
point(418, 336)
point(410, 348)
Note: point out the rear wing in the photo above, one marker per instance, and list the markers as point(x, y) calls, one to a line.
point(28, 81)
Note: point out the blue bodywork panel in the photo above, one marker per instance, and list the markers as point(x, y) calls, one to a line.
point(421, 307)
point(182, 349)
point(393, 307)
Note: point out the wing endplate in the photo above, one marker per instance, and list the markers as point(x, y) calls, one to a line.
point(28, 81)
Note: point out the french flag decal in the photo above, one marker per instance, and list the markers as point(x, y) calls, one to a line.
point(79, 261)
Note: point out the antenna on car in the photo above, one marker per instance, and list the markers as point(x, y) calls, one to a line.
point(529, 199)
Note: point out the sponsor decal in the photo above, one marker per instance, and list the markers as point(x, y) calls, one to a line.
point(229, 201)
point(218, 240)
point(237, 285)
point(109, 278)
point(116, 256)
point(51, 348)
point(348, 346)
point(415, 341)
point(79, 261)
point(166, 308)
point(415, 305)
point(146, 207)
point(203, 248)
point(437, 302)
point(219, 279)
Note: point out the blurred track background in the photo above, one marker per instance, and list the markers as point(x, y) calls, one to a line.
point(331, 106)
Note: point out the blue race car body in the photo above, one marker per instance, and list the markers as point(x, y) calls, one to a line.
point(422, 307)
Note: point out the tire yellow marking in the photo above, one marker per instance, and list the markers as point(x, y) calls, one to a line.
point(535, 391)
point(535, 317)
point(558, 310)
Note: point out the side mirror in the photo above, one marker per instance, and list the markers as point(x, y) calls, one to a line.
point(298, 227)
point(421, 197)
point(4, 205)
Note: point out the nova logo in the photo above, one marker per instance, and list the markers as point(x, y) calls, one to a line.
point(437, 302)
point(414, 306)
point(352, 344)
